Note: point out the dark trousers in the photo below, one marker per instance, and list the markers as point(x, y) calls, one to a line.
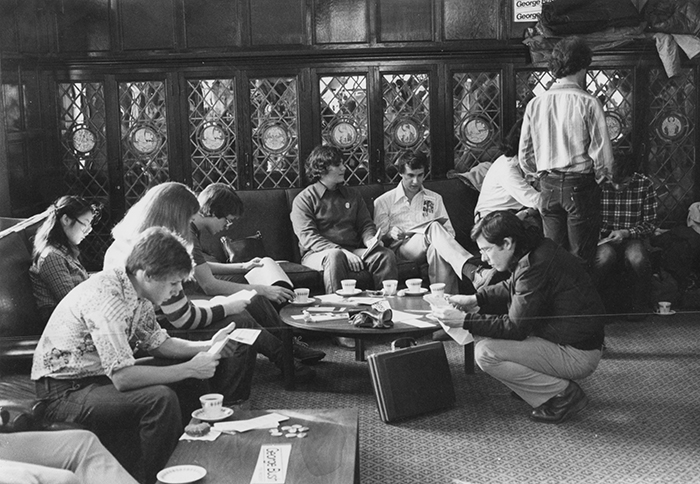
point(143, 424)
point(570, 209)
point(633, 258)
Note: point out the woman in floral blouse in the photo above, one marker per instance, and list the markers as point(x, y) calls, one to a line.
point(56, 269)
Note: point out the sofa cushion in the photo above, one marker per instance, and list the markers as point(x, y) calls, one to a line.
point(19, 315)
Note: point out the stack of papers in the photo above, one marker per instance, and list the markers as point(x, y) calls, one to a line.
point(269, 421)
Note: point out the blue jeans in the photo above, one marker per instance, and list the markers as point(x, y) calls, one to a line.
point(147, 418)
point(633, 257)
point(570, 208)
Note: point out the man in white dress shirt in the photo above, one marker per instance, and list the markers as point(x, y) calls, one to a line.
point(416, 226)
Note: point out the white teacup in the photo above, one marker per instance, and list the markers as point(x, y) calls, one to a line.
point(301, 295)
point(664, 307)
point(348, 285)
point(390, 286)
point(212, 404)
point(437, 289)
point(413, 285)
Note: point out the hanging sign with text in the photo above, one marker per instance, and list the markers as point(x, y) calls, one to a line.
point(527, 10)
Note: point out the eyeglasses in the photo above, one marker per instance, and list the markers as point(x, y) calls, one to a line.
point(229, 222)
point(86, 227)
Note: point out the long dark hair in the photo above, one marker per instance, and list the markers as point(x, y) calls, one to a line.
point(51, 232)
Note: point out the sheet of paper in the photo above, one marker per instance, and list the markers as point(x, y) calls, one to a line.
point(267, 421)
point(422, 227)
point(318, 317)
point(212, 435)
point(371, 245)
point(368, 301)
point(419, 323)
point(404, 316)
point(272, 464)
point(268, 274)
point(460, 335)
point(244, 335)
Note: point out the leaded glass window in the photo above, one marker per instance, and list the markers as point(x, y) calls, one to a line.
point(344, 122)
point(671, 139)
point(476, 118)
point(144, 137)
point(212, 120)
point(84, 157)
point(274, 125)
point(406, 99)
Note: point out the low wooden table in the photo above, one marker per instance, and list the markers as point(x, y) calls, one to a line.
point(342, 328)
point(329, 454)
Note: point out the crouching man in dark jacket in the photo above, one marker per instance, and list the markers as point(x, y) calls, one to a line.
point(552, 331)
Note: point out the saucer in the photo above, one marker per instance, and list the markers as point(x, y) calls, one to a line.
point(670, 313)
point(340, 292)
point(181, 474)
point(312, 300)
point(225, 412)
point(405, 292)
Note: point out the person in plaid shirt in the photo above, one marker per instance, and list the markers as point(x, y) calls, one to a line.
point(628, 214)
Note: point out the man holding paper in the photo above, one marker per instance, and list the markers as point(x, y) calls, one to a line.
point(85, 365)
point(542, 328)
point(334, 226)
point(417, 226)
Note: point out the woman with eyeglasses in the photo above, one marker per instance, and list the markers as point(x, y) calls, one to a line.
point(56, 268)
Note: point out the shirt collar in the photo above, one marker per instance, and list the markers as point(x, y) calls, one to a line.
point(320, 189)
point(564, 83)
point(129, 289)
point(400, 193)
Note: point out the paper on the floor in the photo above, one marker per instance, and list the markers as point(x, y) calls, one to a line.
point(268, 421)
point(271, 467)
point(244, 335)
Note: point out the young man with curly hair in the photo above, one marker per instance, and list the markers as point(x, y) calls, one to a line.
point(565, 143)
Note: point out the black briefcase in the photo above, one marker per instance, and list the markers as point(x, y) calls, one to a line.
point(411, 381)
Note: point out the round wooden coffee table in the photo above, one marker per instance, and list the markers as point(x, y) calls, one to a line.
point(342, 328)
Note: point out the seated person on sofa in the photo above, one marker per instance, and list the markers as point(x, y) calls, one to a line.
point(628, 217)
point(173, 205)
point(56, 269)
point(505, 186)
point(58, 457)
point(334, 226)
point(84, 366)
point(219, 207)
point(414, 221)
point(552, 332)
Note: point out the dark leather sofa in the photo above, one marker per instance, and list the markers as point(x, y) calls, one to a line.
point(265, 210)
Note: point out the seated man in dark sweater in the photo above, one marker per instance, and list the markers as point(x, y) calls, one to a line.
point(552, 330)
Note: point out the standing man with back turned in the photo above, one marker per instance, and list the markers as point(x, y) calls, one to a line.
point(565, 142)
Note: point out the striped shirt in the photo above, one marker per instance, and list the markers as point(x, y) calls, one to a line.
point(564, 130)
point(95, 330)
point(54, 274)
point(392, 209)
point(632, 208)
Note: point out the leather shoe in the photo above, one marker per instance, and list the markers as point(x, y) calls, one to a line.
point(562, 406)
point(343, 342)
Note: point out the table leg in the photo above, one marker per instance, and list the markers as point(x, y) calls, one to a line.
point(288, 357)
point(359, 350)
point(469, 358)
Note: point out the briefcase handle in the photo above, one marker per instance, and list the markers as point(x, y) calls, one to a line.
point(403, 343)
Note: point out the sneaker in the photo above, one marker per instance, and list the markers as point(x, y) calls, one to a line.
point(304, 353)
point(343, 342)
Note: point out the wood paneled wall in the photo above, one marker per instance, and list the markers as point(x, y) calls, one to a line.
point(73, 27)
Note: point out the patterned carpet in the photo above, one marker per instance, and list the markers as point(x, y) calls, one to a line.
point(642, 425)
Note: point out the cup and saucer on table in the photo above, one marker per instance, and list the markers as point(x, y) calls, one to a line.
point(212, 408)
point(302, 298)
point(348, 288)
point(413, 288)
point(664, 309)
